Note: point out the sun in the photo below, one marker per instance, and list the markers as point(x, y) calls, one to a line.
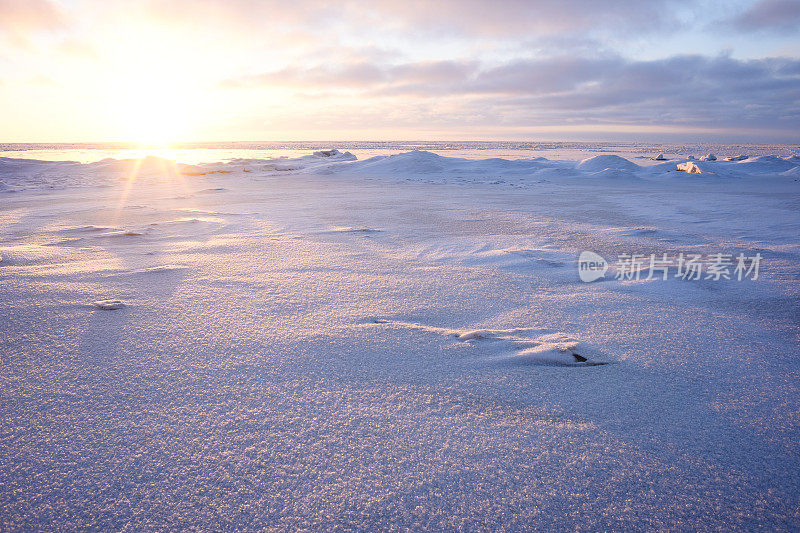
point(152, 96)
point(154, 110)
point(155, 114)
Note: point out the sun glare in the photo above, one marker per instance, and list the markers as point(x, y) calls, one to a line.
point(154, 111)
point(151, 93)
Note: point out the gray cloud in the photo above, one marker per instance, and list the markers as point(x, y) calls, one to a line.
point(689, 90)
point(770, 15)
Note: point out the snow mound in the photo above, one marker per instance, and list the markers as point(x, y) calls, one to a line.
point(420, 162)
point(709, 157)
point(603, 162)
point(527, 346)
point(108, 305)
point(332, 155)
point(792, 172)
point(417, 161)
point(319, 161)
point(689, 168)
point(145, 166)
point(765, 164)
point(659, 157)
point(327, 153)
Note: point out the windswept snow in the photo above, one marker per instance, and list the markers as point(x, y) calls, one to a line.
point(417, 165)
point(399, 342)
point(521, 345)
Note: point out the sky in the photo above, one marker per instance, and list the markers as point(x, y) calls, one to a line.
point(160, 71)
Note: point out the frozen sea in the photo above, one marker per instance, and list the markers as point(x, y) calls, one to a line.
point(194, 153)
point(395, 336)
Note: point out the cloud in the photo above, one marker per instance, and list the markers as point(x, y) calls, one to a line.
point(569, 17)
point(20, 18)
point(543, 17)
point(500, 18)
point(428, 76)
point(415, 62)
point(687, 89)
point(783, 15)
